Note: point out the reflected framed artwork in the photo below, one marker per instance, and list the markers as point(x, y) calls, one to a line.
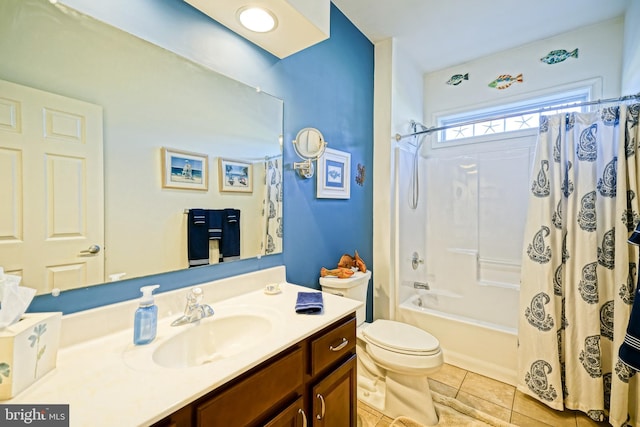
point(235, 176)
point(334, 175)
point(184, 170)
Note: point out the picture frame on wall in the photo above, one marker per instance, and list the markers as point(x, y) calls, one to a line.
point(235, 176)
point(184, 170)
point(334, 175)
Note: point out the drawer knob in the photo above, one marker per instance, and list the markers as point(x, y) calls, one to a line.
point(321, 415)
point(342, 345)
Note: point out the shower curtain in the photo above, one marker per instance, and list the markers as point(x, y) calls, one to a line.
point(578, 271)
point(272, 207)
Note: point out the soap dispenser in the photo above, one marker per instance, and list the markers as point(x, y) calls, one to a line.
point(146, 317)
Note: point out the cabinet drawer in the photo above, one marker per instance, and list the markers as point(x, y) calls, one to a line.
point(253, 397)
point(332, 346)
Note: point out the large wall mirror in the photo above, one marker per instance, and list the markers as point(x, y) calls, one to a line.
point(155, 110)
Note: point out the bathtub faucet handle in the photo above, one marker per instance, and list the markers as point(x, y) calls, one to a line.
point(416, 260)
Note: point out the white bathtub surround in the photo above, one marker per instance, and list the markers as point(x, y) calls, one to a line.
point(482, 348)
point(467, 229)
point(578, 271)
point(99, 370)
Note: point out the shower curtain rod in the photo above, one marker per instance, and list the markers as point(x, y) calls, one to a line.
point(399, 137)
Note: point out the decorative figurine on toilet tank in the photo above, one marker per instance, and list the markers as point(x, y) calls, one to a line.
point(345, 267)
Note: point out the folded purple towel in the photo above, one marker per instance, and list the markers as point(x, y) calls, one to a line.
point(309, 303)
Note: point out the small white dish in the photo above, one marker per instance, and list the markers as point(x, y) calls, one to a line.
point(272, 289)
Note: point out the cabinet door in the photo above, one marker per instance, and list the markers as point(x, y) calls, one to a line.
point(334, 397)
point(293, 416)
point(255, 396)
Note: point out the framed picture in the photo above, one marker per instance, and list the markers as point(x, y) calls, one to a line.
point(185, 170)
point(235, 175)
point(334, 175)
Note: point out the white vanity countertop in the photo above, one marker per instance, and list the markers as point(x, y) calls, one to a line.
point(105, 384)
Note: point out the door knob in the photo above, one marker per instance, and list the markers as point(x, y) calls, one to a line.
point(93, 249)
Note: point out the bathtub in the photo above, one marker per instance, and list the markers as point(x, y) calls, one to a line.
point(479, 346)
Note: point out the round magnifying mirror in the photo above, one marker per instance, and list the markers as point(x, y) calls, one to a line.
point(309, 143)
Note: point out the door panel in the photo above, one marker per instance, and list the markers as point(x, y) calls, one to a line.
point(50, 148)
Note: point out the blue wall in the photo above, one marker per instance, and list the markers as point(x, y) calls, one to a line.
point(328, 86)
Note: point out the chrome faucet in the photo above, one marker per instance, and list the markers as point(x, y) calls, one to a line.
point(421, 285)
point(194, 311)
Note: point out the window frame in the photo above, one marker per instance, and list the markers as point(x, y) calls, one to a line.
point(560, 97)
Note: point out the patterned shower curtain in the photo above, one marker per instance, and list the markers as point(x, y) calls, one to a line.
point(272, 209)
point(579, 273)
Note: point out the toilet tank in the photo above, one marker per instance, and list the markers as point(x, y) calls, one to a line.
point(354, 287)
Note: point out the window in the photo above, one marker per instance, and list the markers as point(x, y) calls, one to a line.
point(506, 118)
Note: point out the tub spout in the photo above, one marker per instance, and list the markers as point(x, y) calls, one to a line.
point(421, 285)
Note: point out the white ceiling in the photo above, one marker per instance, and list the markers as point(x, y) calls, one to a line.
point(442, 33)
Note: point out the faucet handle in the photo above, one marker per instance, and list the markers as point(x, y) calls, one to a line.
point(195, 296)
point(207, 311)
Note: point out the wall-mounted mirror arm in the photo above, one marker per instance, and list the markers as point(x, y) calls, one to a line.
point(305, 169)
point(309, 145)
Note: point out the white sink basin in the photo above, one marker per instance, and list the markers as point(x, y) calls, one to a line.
point(228, 333)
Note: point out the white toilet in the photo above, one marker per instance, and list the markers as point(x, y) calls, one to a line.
point(394, 358)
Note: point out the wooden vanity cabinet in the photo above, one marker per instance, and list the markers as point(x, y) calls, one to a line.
point(311, 383)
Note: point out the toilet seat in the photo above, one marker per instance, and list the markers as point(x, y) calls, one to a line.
point(401, 338)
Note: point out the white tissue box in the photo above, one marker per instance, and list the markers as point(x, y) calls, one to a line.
point(28, 350)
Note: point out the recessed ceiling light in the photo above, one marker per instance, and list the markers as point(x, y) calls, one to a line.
point(257, 19)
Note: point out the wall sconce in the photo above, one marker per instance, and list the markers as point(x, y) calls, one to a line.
point(309, 145)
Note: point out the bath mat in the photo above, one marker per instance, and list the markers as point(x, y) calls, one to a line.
point(453, 413)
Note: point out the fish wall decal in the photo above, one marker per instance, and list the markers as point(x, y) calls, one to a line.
point(505, 80)
point(456, 79)
point(556, 56)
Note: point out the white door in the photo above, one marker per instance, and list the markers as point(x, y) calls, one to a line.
point(51, 189)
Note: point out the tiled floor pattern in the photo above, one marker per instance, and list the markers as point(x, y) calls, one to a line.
point(493, 397)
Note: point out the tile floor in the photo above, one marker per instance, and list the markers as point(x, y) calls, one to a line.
point(493, 397)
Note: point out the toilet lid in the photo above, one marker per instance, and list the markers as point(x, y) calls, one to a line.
point(401, 337)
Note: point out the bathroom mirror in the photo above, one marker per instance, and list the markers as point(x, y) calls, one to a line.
point(309, 145)
point(151, 99)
